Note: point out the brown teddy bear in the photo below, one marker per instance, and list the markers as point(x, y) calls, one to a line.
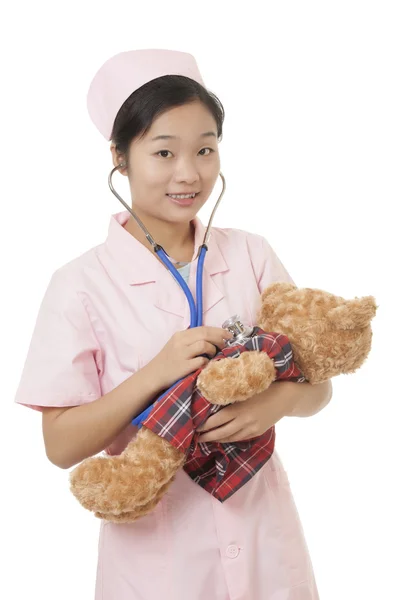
point(319, 335)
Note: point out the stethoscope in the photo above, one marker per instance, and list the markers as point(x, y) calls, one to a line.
point(196, 312)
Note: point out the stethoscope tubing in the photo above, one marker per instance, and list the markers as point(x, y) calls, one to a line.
point(196, 311)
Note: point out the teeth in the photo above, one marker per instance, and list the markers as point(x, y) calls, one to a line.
point(181, 196)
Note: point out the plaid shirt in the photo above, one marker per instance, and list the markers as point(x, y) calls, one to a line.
point(220, 468)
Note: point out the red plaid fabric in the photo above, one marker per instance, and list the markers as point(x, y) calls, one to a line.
point(220, 468)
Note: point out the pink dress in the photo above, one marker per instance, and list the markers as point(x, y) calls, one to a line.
point(104, 316)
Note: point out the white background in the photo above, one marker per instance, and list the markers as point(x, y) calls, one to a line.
point(311, 158)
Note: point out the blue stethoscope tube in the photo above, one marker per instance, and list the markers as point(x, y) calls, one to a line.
point(196, 313)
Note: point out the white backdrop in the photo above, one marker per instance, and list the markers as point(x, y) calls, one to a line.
point(311, 158)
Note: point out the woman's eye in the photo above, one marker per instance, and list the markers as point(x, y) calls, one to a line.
point(210, 149)
point(163, 151)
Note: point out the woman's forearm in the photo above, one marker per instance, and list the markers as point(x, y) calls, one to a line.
point(82, 431)
point(305, 399)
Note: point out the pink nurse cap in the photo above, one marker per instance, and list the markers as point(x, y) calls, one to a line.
point(124, 73)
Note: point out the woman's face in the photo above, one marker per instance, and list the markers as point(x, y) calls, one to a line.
point(178, 155)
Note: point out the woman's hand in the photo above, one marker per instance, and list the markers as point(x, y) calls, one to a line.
point(248, 419)
point(182, 354)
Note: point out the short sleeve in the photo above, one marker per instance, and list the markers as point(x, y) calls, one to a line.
point(267, 266)
point(61, 367)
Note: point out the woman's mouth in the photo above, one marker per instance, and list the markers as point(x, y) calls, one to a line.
point(183, 199)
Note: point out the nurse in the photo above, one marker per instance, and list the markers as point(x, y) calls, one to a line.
point(113, 332)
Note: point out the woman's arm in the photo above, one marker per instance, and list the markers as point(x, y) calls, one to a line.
point(245, 420)
point(305, 399)
point(74, 433)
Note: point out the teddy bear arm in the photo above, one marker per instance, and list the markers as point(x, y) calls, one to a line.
point(232, 380)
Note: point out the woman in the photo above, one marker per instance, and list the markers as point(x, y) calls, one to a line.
point(112, 333)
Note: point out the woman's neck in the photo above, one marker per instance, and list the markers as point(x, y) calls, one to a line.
point(176, 239)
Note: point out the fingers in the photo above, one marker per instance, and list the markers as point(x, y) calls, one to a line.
point(213, 335)
point(225, 431)
point(241, 435)
point(197, 363)
point(200, 348)
point(205, 342)
point(220, 418)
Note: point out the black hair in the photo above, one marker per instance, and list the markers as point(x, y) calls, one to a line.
point(138, 112)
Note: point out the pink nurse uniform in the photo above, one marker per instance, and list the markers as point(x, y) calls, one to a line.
point(104, 316)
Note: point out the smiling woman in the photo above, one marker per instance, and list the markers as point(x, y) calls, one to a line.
point(112, 334)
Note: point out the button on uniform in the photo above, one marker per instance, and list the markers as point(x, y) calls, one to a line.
point(232, 551)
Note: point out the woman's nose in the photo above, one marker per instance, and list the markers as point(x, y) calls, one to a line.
point(187, 171)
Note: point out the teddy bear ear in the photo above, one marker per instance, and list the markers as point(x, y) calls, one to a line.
point(353, 314)
point(279, 287)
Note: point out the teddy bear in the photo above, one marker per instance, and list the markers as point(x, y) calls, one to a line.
point(302, 334)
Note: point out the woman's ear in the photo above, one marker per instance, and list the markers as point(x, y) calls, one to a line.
point(118, 159)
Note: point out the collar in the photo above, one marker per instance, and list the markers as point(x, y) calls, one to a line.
point(139, 264)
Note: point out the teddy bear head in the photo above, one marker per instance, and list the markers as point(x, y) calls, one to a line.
point(328, 334)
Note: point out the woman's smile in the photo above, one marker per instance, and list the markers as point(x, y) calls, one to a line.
point(184, 200)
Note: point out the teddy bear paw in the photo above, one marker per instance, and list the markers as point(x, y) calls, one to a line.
point(236, 379)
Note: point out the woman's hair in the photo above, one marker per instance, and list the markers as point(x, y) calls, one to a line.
point(138, 112)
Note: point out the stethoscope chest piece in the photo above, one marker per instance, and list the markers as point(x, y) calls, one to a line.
point(242, 333)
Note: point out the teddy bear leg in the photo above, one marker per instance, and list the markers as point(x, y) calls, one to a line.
point(138, 512)
point(134, 478)
point(236, 379)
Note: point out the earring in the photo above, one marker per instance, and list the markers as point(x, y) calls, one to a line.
point(121, 165)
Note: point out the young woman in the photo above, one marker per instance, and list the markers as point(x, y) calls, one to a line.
point(112, 333)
